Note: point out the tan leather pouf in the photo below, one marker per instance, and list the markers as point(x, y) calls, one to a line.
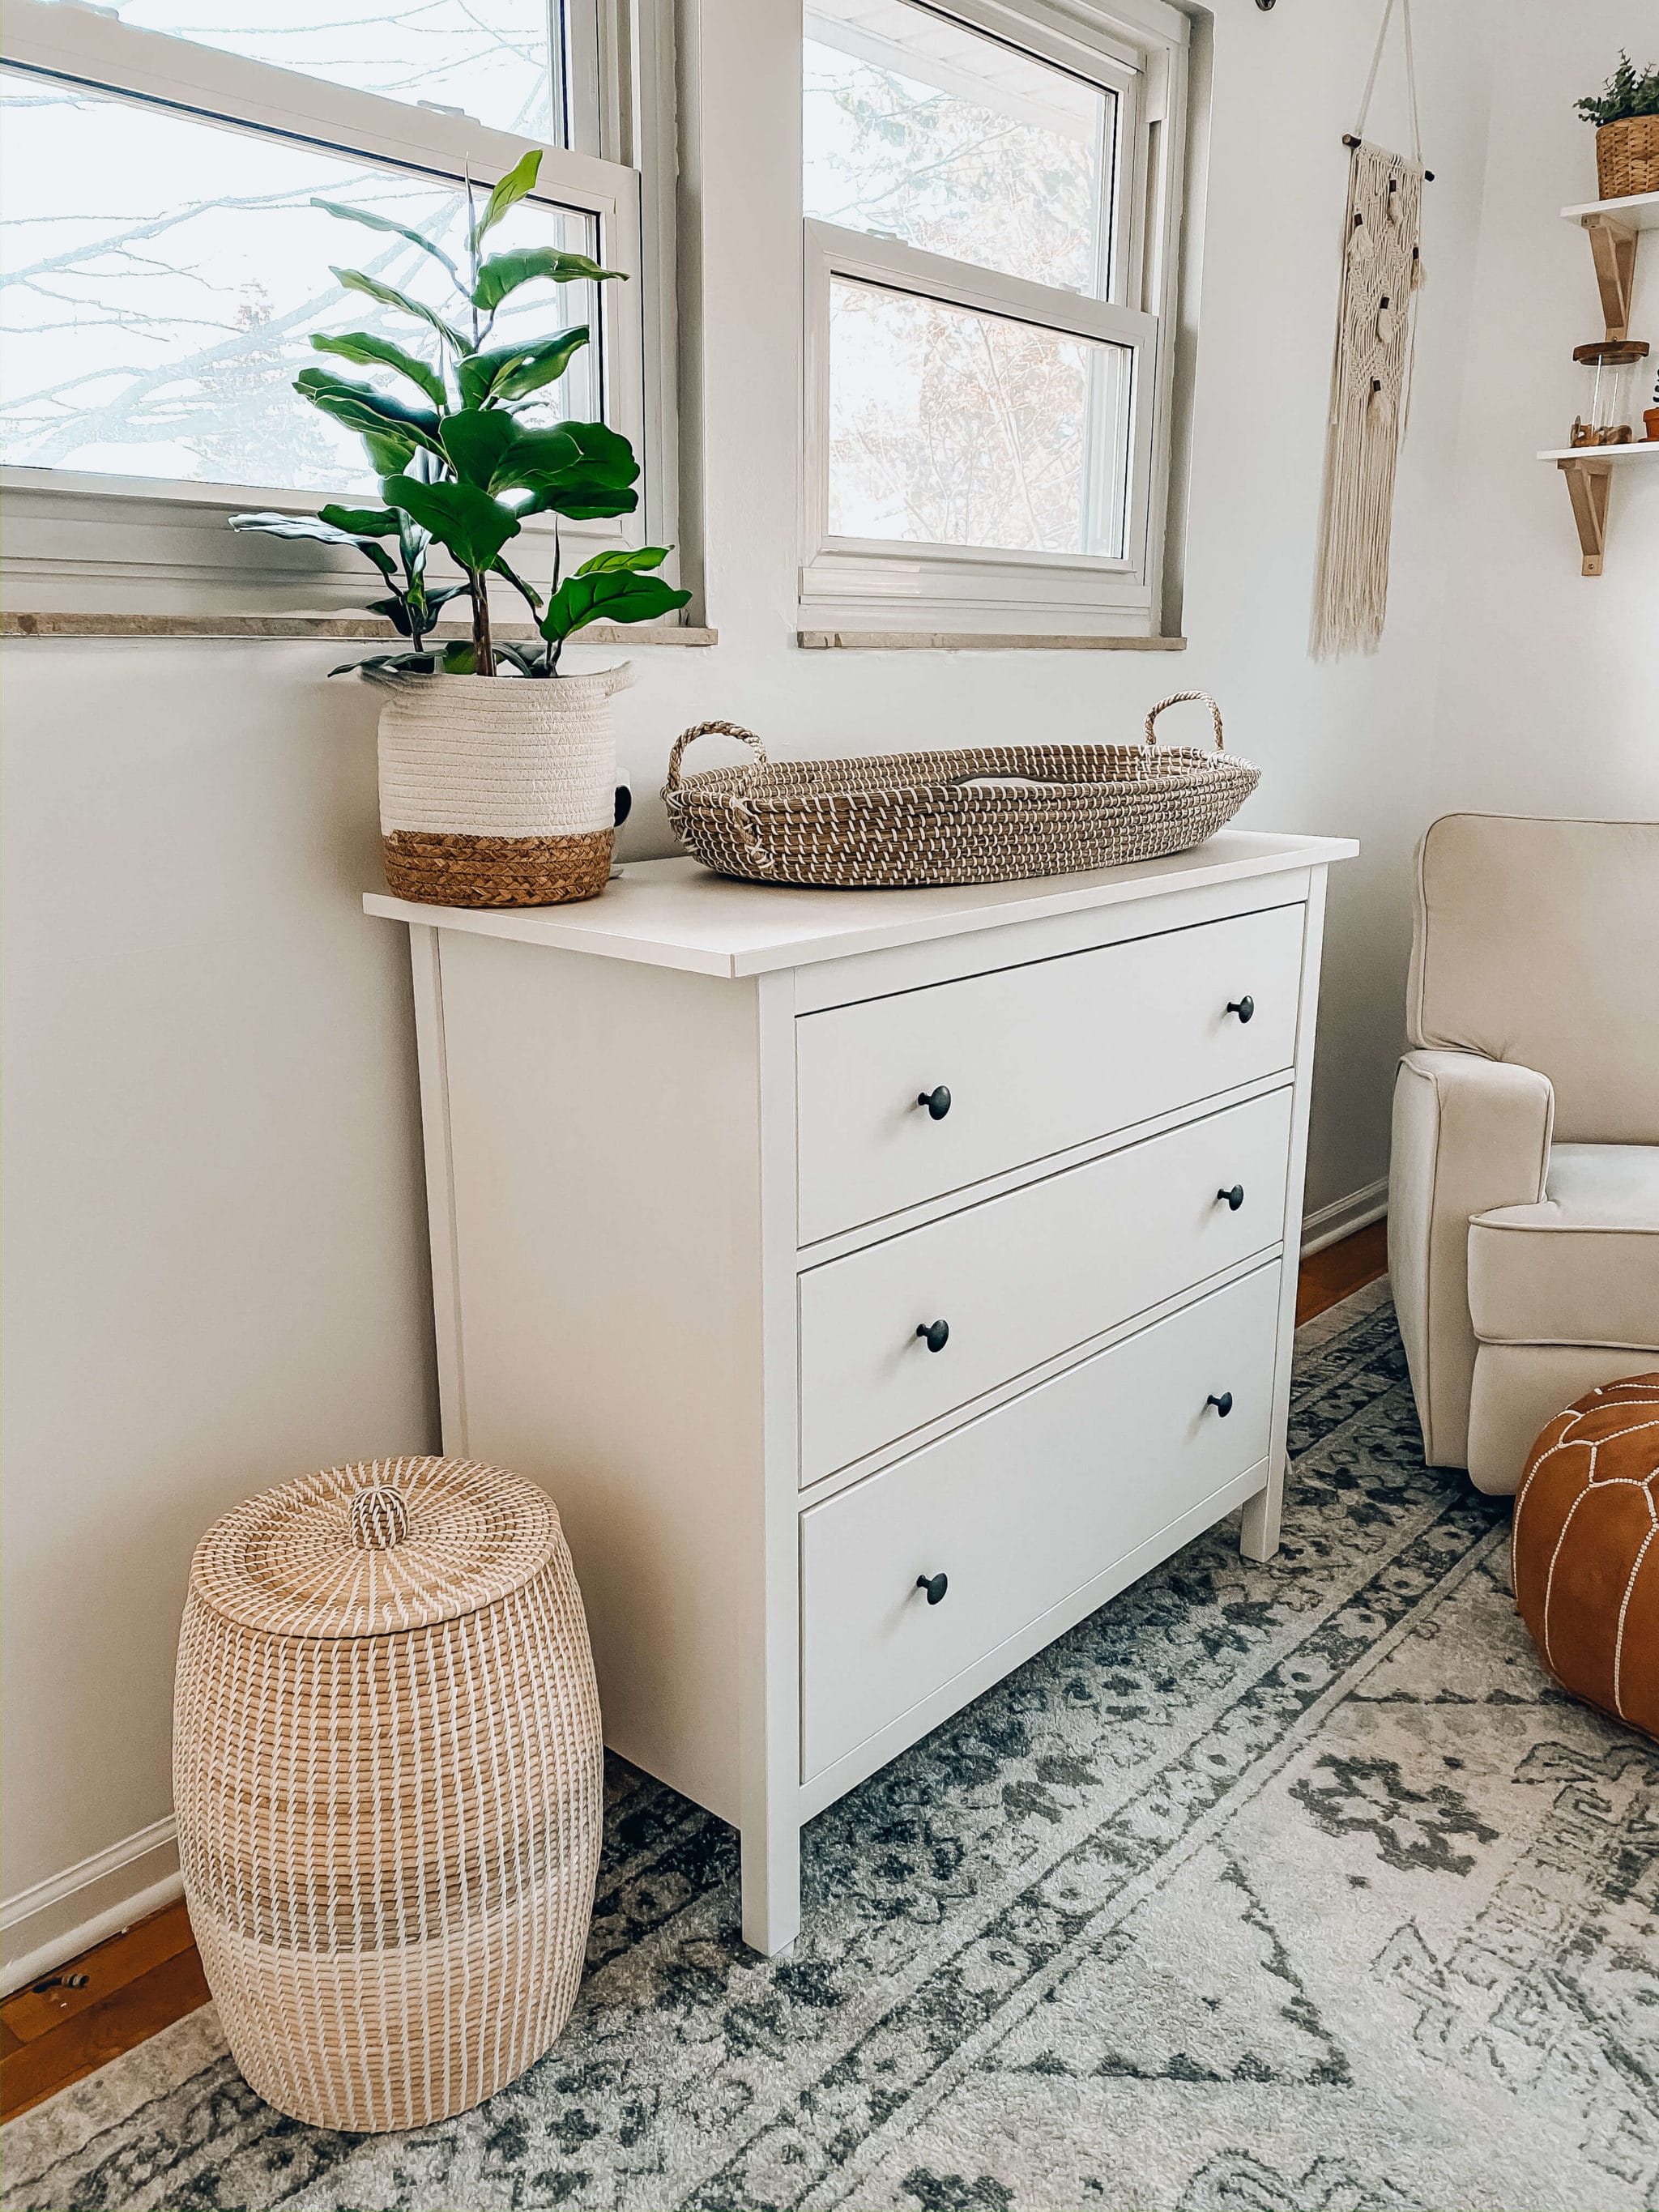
point(388, 1775)
point(1586, 1549)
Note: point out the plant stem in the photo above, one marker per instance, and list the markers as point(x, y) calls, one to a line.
point(483, 652)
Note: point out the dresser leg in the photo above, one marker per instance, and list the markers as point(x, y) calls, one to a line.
point(771, 1887)
point(1258, 1535)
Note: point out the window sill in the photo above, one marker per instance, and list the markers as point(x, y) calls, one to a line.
point(358, 627)
point(945, 641)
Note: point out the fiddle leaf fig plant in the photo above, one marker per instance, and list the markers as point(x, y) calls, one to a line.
point(459, 468)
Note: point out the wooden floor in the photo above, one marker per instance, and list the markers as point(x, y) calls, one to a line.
point(70, 2023)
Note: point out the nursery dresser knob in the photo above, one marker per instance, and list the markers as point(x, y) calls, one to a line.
point(1235, 1197)
point(1244, 1007)
point(1223, 1404)
point(935, 1334)
point(937, 1103)
point(935, 1586)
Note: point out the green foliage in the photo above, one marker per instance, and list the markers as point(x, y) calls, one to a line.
point(463, 472)
point(1625, 93)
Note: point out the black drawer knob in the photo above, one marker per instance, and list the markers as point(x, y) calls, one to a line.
point(936, 1335)
point(935, 1586)
point(1222, 1403)
point(1235, 1197)
point(1244, 1007)
point(937, 1103)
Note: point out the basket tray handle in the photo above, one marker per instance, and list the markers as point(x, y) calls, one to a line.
point(710, 730)
point(1179, 698)
point(742, 813)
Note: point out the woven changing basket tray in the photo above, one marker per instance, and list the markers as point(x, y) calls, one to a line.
point(388, 1774)
point(984, 815)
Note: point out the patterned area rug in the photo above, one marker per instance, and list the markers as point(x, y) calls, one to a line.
point(1266, 1889)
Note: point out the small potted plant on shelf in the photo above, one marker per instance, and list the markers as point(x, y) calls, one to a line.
point(1625, 112)
point(497, 770)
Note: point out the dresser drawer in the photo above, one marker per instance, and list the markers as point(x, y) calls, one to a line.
point(1017, 1279)
point(1022, 1507)
point(1036, 1059)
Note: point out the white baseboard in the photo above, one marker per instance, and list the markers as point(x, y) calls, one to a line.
point(1340, 1219)
point(87, 1904)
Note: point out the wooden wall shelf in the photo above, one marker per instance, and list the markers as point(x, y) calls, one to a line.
point(1589, 472)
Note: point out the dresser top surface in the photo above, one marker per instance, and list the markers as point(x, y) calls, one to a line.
point(674, 914)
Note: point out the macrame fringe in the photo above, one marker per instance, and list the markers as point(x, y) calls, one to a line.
point(1371, 380)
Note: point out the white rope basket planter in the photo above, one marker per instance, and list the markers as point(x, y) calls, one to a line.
point(388, 1775)
point(984, 815)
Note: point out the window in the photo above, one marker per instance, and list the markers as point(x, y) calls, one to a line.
point(990, 194)
point(163, 263)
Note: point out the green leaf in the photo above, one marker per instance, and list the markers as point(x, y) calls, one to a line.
point(624, 557)
point(362, 521)
point(514, 372)
point(363, 347)
point(324, 529)
point(504, 272)
point(477, 441)
point(382, 667)
point(361, 407)
point(397, 229)
point(528, 659)
point(520, 180)
point(387, 455)
point(355, 281)
point(466, 521)
point(580, 470)
point(396, 611)
point(526, 592)
point(607, 595)
point(460, 659)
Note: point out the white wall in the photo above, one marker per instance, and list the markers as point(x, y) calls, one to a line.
point(1548, 698)
point(214, 1273)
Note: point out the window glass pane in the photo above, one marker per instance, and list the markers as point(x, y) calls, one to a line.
point(918, 130)
point(160, 278)
point(494, 58)
point(948, 427)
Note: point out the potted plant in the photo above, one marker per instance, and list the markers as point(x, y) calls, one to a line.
point(497, 770)
point(1650, 418)
point(1626, 114)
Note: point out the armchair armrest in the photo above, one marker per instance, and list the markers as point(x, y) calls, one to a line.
point(1469, 1133)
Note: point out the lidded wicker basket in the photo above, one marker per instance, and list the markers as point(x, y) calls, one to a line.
point(388, 1775)
point(983, 815)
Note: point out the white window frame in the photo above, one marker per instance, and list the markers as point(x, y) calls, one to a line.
point(78, 540)
point(902, 585)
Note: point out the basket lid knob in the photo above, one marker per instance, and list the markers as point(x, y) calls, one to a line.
point(379, 1519)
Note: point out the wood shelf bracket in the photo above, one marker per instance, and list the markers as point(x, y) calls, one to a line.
point(1613, 249)
point(1589, 481)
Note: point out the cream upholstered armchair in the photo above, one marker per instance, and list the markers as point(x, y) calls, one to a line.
point(1524, 1197)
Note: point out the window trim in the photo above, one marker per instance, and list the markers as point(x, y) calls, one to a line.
point(166, 523)
point(906, 586)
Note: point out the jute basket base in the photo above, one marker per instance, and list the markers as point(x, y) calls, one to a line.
point(370, 2041)
point(452, 870)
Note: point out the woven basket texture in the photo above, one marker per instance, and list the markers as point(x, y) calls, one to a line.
point(388, 1775)
point(499, 790)
point(982, 815)
point(1627, 156)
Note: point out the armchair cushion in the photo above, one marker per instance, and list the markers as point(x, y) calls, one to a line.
point(1469, 1134)
point(1582, 1266)
point(1538, 942)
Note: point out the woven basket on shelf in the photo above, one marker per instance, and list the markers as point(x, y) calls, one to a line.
point(984, 815)
point(388, 1775)
point(499, 790)
point(1627, 157)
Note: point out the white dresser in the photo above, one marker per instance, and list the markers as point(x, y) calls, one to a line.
point(879, 1281)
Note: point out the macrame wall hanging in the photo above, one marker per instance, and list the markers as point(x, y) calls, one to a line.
point(1370, 375)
